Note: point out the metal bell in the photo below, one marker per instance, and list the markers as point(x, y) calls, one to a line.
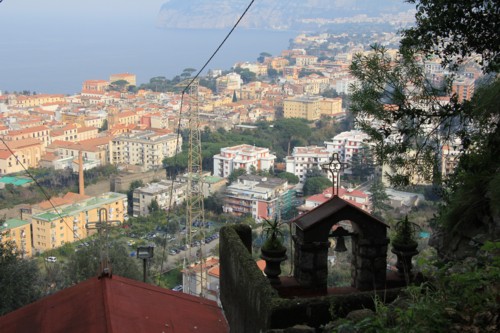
point(340, 245)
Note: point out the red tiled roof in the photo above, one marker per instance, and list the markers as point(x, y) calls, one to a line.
point(116, 304)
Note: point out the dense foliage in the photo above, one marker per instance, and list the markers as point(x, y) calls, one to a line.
point(458, 297)
point(54, 182)
point(455, 30)
point(19, 279)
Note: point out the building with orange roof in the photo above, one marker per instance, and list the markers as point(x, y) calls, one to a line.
point(96, 149)
point(358, 198)
point(112, 304)
point(123, 118)
point(73, 118)
point(66, 133)
point(20, 154)
point(86, 133)
point(130, 78)
point(35, 100)
point(94, 121)
point(95, 85)
point(41, 133)
point(195, 279)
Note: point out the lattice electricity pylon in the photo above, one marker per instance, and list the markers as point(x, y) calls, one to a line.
point(194, 199)
point(103, 226)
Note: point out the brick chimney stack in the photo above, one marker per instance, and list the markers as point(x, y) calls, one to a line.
point(81, 184)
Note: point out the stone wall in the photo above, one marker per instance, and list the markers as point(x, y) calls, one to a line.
point(245, 293)
point(121, 183)
point(252, 305)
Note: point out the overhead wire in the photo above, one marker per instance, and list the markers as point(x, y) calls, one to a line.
point(180, 113)
point(46, 195)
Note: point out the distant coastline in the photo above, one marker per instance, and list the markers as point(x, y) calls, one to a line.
point(45, 66)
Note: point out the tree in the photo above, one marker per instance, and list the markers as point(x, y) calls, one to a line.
point(362, 164)
point(263, 56)
point(246, 75)
point(130, 194)
point(85, 263)
point(379, 198)
point(456, 30)
point(290, 177)
point(272, 73)
point(104, 126)
point(214, 203)
point(290, 128)
point(408, 125)
point(154, 206)
point(235, 174)
point(119, 85)
point(19, 279)
point(315, 184)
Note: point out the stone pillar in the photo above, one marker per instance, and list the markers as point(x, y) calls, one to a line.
point(310, 263)
point(369, 264)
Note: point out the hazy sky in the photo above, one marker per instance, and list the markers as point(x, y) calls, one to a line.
point(54, 9)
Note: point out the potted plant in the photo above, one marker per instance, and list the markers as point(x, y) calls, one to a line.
point(273, 251)
point(404, 245)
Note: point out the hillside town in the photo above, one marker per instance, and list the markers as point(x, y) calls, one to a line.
point(321, 190)
point(114, 122)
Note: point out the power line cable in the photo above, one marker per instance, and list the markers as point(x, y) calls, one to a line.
point(180, 113)
point(39, 186)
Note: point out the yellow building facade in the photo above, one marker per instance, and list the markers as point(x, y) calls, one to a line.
point(52, 229)
point(27, 153)
point(19, 232)
point(307, 107)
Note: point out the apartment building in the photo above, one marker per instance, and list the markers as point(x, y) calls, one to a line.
point(449, 160)
point(331, 107)
point(231, 82)
point(307, 158)
point(261, 197)
point(346, 144)
point(242, 157)
point(53, 228)
point(278, 63)
point(166, 194)
point(304, 106)
point(41, 133)
point(19, 232)
point(291, 72)
point(463, 87)
point(35, 100)
point(146, 148)
point(305, 60)
point(94, 151)
point(19, 153)
point(67, 132)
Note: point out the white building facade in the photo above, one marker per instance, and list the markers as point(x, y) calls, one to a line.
point(242, 157)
